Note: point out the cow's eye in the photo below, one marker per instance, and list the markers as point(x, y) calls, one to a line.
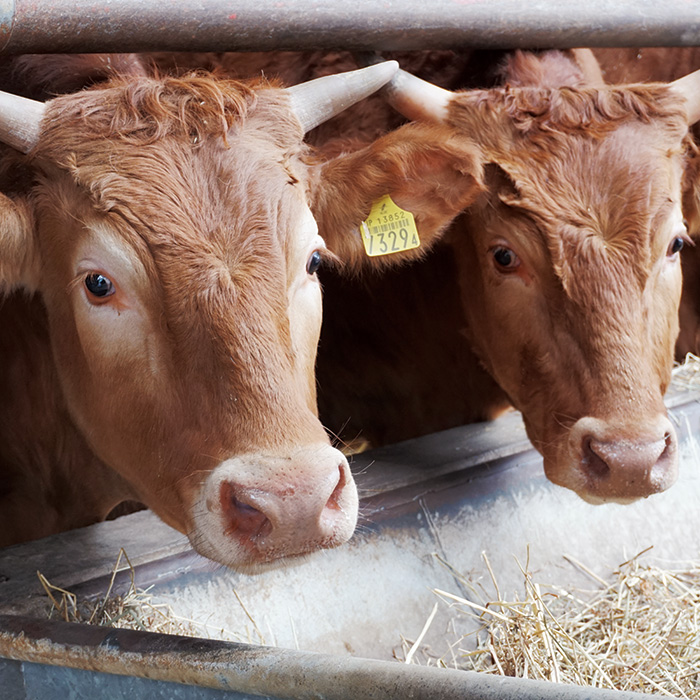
point(314, 262)
point(676, 246)
point(98, 285)
point(505, 258)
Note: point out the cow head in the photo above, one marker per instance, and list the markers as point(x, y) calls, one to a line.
point(571, 281)
point(568, 255)
point(176, 254)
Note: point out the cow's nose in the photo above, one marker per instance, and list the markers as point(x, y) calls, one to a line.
point(257, 507)
point(262, 515)
point(622, 463)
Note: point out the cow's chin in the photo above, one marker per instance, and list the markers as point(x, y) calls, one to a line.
point(598, 501)
point(236, 555)
point(574, 480)
point(254, 569)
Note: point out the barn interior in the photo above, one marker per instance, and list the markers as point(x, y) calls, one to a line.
point(456, 515)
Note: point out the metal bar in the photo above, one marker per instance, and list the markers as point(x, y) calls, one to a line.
point(279, 673)
point(30, 26)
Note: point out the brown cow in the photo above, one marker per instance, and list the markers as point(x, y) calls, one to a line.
point(567, 259)
point(161, 311)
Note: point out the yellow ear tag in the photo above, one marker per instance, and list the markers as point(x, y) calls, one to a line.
point(388, 229)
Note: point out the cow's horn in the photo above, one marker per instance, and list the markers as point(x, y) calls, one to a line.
point(318, 100)
point(689, 87)
point(417, 99)
point(19, 121)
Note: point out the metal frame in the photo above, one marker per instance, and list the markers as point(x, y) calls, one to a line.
point(67, 26)
point(266, 671)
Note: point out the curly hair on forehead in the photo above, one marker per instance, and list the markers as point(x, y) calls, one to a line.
point(554, 112)
point(142, 110)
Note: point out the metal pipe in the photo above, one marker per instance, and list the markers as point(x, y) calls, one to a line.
point(67, 26)
point(279, 673)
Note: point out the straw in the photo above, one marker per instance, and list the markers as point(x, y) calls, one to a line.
point(137, 608)
point(639, 632)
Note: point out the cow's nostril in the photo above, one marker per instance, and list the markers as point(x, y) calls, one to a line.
point(245, 511)
point(668, 453)
point(592, 462)
point(241, 516)
point(334, 501)
point(669, 444)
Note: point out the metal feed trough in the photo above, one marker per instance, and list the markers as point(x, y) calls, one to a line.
point(442, 499)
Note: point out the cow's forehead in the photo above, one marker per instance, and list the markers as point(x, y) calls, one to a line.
point(602, 190)
point(541, 134)
point(572, 152)
point(604, 185)
point(211, 220)
point(206, 199)
point(178, 158)
point(220, 295)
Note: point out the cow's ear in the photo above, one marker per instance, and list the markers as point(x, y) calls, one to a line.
point(691, 194)
point(427, 170)
point(18, 258)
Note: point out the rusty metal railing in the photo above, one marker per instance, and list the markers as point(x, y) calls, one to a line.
point(56, 26)
point(266, 671)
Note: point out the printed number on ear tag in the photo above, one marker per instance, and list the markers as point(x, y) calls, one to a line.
point(388, 229)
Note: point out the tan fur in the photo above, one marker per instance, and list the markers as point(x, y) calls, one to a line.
point(556, 169)
point(650, 64)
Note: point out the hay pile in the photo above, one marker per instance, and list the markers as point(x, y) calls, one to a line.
point(640, 632)
point(134, 609)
